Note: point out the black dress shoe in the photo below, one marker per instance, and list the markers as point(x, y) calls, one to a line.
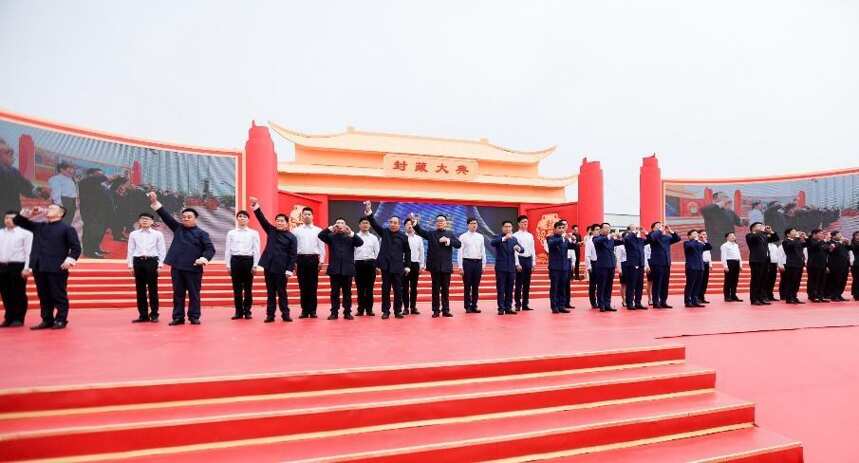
point(140, 320)
point(640, 307)
point(371, 314)
point(527, 308)
point(509, 312)
point(765, 303)
point(332, 317)
point(194, 321)
point(348, 316)
point(703, 301)
point(269, 319)
point(153, 318)
point(15, 324)
point(415, 312)
point(436, 315)
point(59, 325)
point(666, 306)
point(5, 324)
point(313, 315)
point(304, 315)
point(475, 310)
point(399, 315)
point(286, 319)
point(386, 316)
point(176, 322)
point(610, 309)
point(563, 310)
point(568, 306)
point(359, 314)
point(248, 316)
point(446, 314)
point(43, 326)
point(736, 299)
point(500, 312)
point(236, 317)
point(797, 301)
point(555, 311)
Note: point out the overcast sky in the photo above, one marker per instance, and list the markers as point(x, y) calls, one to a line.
point(717, 89)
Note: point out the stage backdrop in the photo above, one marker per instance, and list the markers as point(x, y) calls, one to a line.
point(827, 201)
point(107, 206)
point(489, 218)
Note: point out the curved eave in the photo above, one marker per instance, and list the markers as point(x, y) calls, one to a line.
point(360, 141)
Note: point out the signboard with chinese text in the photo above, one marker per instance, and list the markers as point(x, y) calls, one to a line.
point(430, 167)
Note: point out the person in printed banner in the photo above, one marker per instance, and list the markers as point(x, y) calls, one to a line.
point(95, 207)
point(605, 265)
point(16, 244)
point(854, 265)
point(190, 252)
point(693, 250)
point(417, 262)
point(758, 240)
point(838, 266)
point(660, 238)
point(708, 264)
point(472, 262)
point(277, 260)
point(719, 220)
point(818, 256)
point(507, 251)
point(439, 261)
point(365, 268)
point(241, 256)
point(56, 249)
point(311, 256)
point(793, 248)
point(557, 246)
point(64, 190)
point(341, 264)
point(145, 254)
point(393, 260)
point(527, 261)
point(732, 263)
point(13, 185)
point(634, 267)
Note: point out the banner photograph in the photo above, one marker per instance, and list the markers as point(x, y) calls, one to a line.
point(103, 184)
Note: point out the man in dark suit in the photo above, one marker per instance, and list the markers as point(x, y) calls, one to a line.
point(818, 258)
point(719, 220)
point(558, 245)
point(278, 259)
point(13, 185)
point(56, 249)
point(440, 245)
point(633, 267)
point(506, 260)
point(794, 261)
point(758, 240)
point(605, 265)
point(190, 251)
point(839, 267)
point(577, 250)
point(393, 261)
point(341, 241)
point(95, 205)
point(660, 240)
point(693, 250)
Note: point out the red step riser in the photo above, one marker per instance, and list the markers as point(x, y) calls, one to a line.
point(124, 394)
point(791, 455)
point(120, 440)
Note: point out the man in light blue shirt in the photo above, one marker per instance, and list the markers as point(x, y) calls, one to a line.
point(64, 190)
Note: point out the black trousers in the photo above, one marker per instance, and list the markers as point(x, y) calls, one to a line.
point(576, 267)
point(504, 282)
point(705, 280)
point(308, 281)
point(816, 280)
point(634, 276)
point(790, 278)
point(392, 282)
point(592, 288)
point(146, 285)
point(836, 281)
point(568, 287)
point(71, 205)
point(556, 289)
point(522, 290)
point(410, 286)
point(605, 282)
point(854, 286)
point(472, 272)
point(757, 286)
point(659, 285)
point(186, 282)
point(93, 232)
point(275, 288)
point(693, 286)
point(51, 288)
point(341, 284)
point(241, 273)
point(732, 278)
point(440, 291)
point(772, 274)
point(365, 278)
point(13, 292)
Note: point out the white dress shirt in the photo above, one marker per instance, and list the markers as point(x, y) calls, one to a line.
point(62, 186)
point(526, 242)
point(775, 249)
point(730, 251)
point(146, 242)
point(370, 249)
point(308, 240)
point(416, 248)
point(473, 247)
point(242, 242)
point(620, 254)
point(646, 257)
point(15, 245)
point(590, 252)
point(707, 256)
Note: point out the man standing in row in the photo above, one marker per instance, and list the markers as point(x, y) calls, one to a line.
point(839, 267)
point(13, 185)
point(341, 265)
point(772, 268)
point(241, 255)
point(527, 260)
point(604, 267)
point(56, 249)
point(818, 258)
point(441, 242)
point(96, 207)
point(278, 260)
point(794, 260)
point(472, 261)
point(64, 190)
point(146, 253)
point(365, 267)
point(708, 263)
point(190, 251)
point(393, 261)
point(732, 263)
point(417, 262)
point(660, 239)
point(15, 247)
point(311, 255)
point(506, 263)
point(557, 246)
point(758, 240)
point(571, 255)
point(590, 259)
point(633, 268)
point(693, 250)
point(577, 252)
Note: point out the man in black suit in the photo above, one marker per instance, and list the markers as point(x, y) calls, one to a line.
point(341, 241)
point(719, 220)
point(839, 267)
point(758, 240)
point(577, 251)
point(13, 185)
point(818, 258)
point(794, 261)
point(507, 251)
point(393, 261)
point(441, 243)
point(95, 205)
point(56, 249)
point(278, 260)
point(190, 251)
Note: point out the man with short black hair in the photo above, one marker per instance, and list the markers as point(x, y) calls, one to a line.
point(557, 245)
point(472, 261)
point(839, 267)
point(241, 256)
point(527, 261)
point(693, 250)
point(341, 265)
point(16, 244)
point(758, 240)
point(732, 263)
point(660, 238)
point(311, 256)
point(417, 262)
point(365, 267)
point(64, 190)
point(145, 254)
point(439, 261)
point(604, 267)
point(393, 260)
point(507, 251)
point(794, 260)
point(278, 261)
point(634, 267)
point(818, 257)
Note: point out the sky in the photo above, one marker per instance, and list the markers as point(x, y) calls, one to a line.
point(716, 89)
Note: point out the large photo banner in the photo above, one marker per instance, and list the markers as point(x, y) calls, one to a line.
point(103, 184)
point(826, 201)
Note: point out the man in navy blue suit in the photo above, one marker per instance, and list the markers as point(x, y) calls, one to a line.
point(604, 267)
point(278, 260)
point(693, 250)
point(506, 261)
point(660, 239)
point(393, 261)
point(633, 267)
point(559, 266)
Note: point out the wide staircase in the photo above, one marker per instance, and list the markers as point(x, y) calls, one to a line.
point(106, 285)
point(631, 405)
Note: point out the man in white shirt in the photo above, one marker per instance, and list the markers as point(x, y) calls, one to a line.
point(311, 255)
point(772, 270)
point(708, 264)
point(472, 261)
point(732, 264)
point(590, 258)
point(365, 268)
point(417, 262)
point(64, 190)
point(145, 256)
point(620, 259)
point(241, 255)
point(15, 246)
point(527, 261)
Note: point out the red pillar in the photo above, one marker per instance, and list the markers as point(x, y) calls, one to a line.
point(800, 200)
point(136, 173)
point(590, 202)
point(261, 171)
point(27, 156)
point(708, 196)
point(650, 191)
point(738, 202)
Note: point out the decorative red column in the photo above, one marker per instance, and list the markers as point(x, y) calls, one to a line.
point(650, 192)
point(261, 171)
point(590, 202)
point(136, 173)
point(708, 196)
point(800, 200)
point(738, 203)
point(27, 156)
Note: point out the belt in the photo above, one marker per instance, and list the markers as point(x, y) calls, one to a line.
point(146, 257)
point(241, 256)
point(468, 258)
point(313, 255)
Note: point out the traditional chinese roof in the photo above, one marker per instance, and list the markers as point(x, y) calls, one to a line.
point(355, 140)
